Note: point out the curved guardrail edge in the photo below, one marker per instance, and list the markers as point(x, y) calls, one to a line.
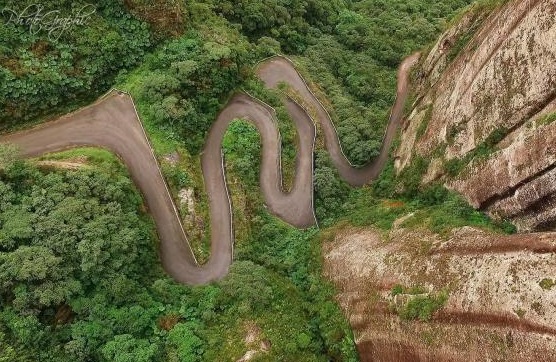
point(159, 169)
point(324, 108)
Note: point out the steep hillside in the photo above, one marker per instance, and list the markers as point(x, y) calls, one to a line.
point(416, 287)
point(413, 295)
point(485, 110)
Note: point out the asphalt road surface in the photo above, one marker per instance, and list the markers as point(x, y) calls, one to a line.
point(112, 123)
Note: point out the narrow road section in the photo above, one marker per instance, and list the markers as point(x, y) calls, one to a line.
point(112, 123)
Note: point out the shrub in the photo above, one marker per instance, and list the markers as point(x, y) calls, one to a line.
point(547, 284)
point(423, 307)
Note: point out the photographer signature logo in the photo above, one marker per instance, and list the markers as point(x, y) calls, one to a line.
point(37, 19)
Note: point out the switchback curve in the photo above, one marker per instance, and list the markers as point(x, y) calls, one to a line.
point(112, 123)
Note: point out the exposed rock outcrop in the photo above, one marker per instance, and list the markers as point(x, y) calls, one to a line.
point(484, 122)
point(254, 340)
point(491, 107)
point(500, 294)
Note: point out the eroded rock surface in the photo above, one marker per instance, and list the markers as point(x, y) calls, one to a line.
point(502, 85)
point(500, 305)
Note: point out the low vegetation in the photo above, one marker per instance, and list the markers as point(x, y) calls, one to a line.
point(547, 283)
point(476, 12)
point(391, 197)
point(484, 149)
point(423, 307)
point(420, 304)
point(399, 289)
point(546, 120)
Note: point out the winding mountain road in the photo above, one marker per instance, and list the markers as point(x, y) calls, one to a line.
point(112, 123)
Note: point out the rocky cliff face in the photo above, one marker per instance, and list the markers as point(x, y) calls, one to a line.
point(485, 110)
point(500, 295)
point(484, 123)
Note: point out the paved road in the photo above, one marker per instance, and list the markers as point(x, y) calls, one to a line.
point(279, 69)
point(112, 123)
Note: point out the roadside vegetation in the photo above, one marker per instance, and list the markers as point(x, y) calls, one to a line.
point(81, 280)
point(392, 196)
point(80, 275)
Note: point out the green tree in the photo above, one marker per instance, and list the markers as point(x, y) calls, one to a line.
point(186, 344)
point(125, 348)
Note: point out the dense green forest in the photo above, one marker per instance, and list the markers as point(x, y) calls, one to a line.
point(79, 271)
point(81, 280)
point(41, 74)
